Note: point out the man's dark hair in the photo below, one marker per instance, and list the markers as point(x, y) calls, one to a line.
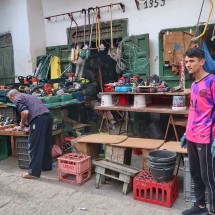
point(195, 52)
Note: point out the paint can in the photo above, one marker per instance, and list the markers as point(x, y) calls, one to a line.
point(106, 100)
point(139, 101)
point(178, 103)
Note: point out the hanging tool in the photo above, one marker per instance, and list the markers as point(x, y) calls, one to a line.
point(209, 16)
point(72, 53)
point(85, 16)
point(91, 29)
point(111, 27)
point(75, 50)
point(98, 34)
point(112, 51)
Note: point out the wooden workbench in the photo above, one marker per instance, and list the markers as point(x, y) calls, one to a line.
point(14, 134)
point(152, 108)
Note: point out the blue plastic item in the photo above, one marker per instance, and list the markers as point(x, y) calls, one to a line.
point(209, 65)
point(122, 89)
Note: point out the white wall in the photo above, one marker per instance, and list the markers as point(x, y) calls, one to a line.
point(24, 20)
point(36, 30)
point(175, 13)
point(13, 16)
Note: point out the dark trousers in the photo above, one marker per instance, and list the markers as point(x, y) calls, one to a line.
point(40, 148)
point(202, 170)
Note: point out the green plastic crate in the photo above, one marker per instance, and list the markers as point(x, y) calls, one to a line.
point(51, 99)
point(3, 147)
point(65, 97)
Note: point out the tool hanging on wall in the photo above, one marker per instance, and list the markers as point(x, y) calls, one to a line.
point(98, 17)
point(99, 45)
point(85, 16)
point(74, 50)
point(206, 25)
point(72, 53)
point(113, 50)
point(91, 27)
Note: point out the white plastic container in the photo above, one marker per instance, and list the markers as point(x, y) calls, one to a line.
point(106, 100)
point(178, 103)
point(139, 101)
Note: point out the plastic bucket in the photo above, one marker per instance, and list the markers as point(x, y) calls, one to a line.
point(123, 100)
point(162, 156)
point(106, 100)
point(56, 151)
point(162, 175)
point(139, 101)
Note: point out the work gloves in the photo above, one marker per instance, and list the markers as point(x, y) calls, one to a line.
point(183, 142)
point(213, 148)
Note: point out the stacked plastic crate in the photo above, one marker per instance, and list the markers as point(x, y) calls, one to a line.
point(22, 150)
point(74, 168)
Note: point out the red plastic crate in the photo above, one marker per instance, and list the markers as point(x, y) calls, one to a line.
point(145, 189)
point(74, 163)
point(77, 179)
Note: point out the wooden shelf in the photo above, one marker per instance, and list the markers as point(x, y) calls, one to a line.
point(148, 109)
point(185, 93)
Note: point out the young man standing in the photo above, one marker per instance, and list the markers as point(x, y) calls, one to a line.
point(34, 112)
point(200, 133)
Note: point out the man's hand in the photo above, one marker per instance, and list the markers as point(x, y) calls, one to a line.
point(184, 142)
point(21, 124)
point(213, 148)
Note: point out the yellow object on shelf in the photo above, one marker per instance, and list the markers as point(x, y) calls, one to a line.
point(55, 69)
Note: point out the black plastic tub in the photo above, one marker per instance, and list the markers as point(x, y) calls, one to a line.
point(162, 156)
point(161, 165)
point(162, 175)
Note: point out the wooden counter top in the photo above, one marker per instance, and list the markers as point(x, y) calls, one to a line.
point(150, 109)
point(101, 138)
point(185, 93)
point(141, 143)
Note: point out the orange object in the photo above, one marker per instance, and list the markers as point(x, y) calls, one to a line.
point(34, 80)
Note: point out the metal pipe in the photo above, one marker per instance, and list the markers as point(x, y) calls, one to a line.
point(195, 38)
point(80, 11)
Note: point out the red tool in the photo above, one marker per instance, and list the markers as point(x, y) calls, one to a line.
point(121, 81)
point(47, 88)
point(109, 88)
